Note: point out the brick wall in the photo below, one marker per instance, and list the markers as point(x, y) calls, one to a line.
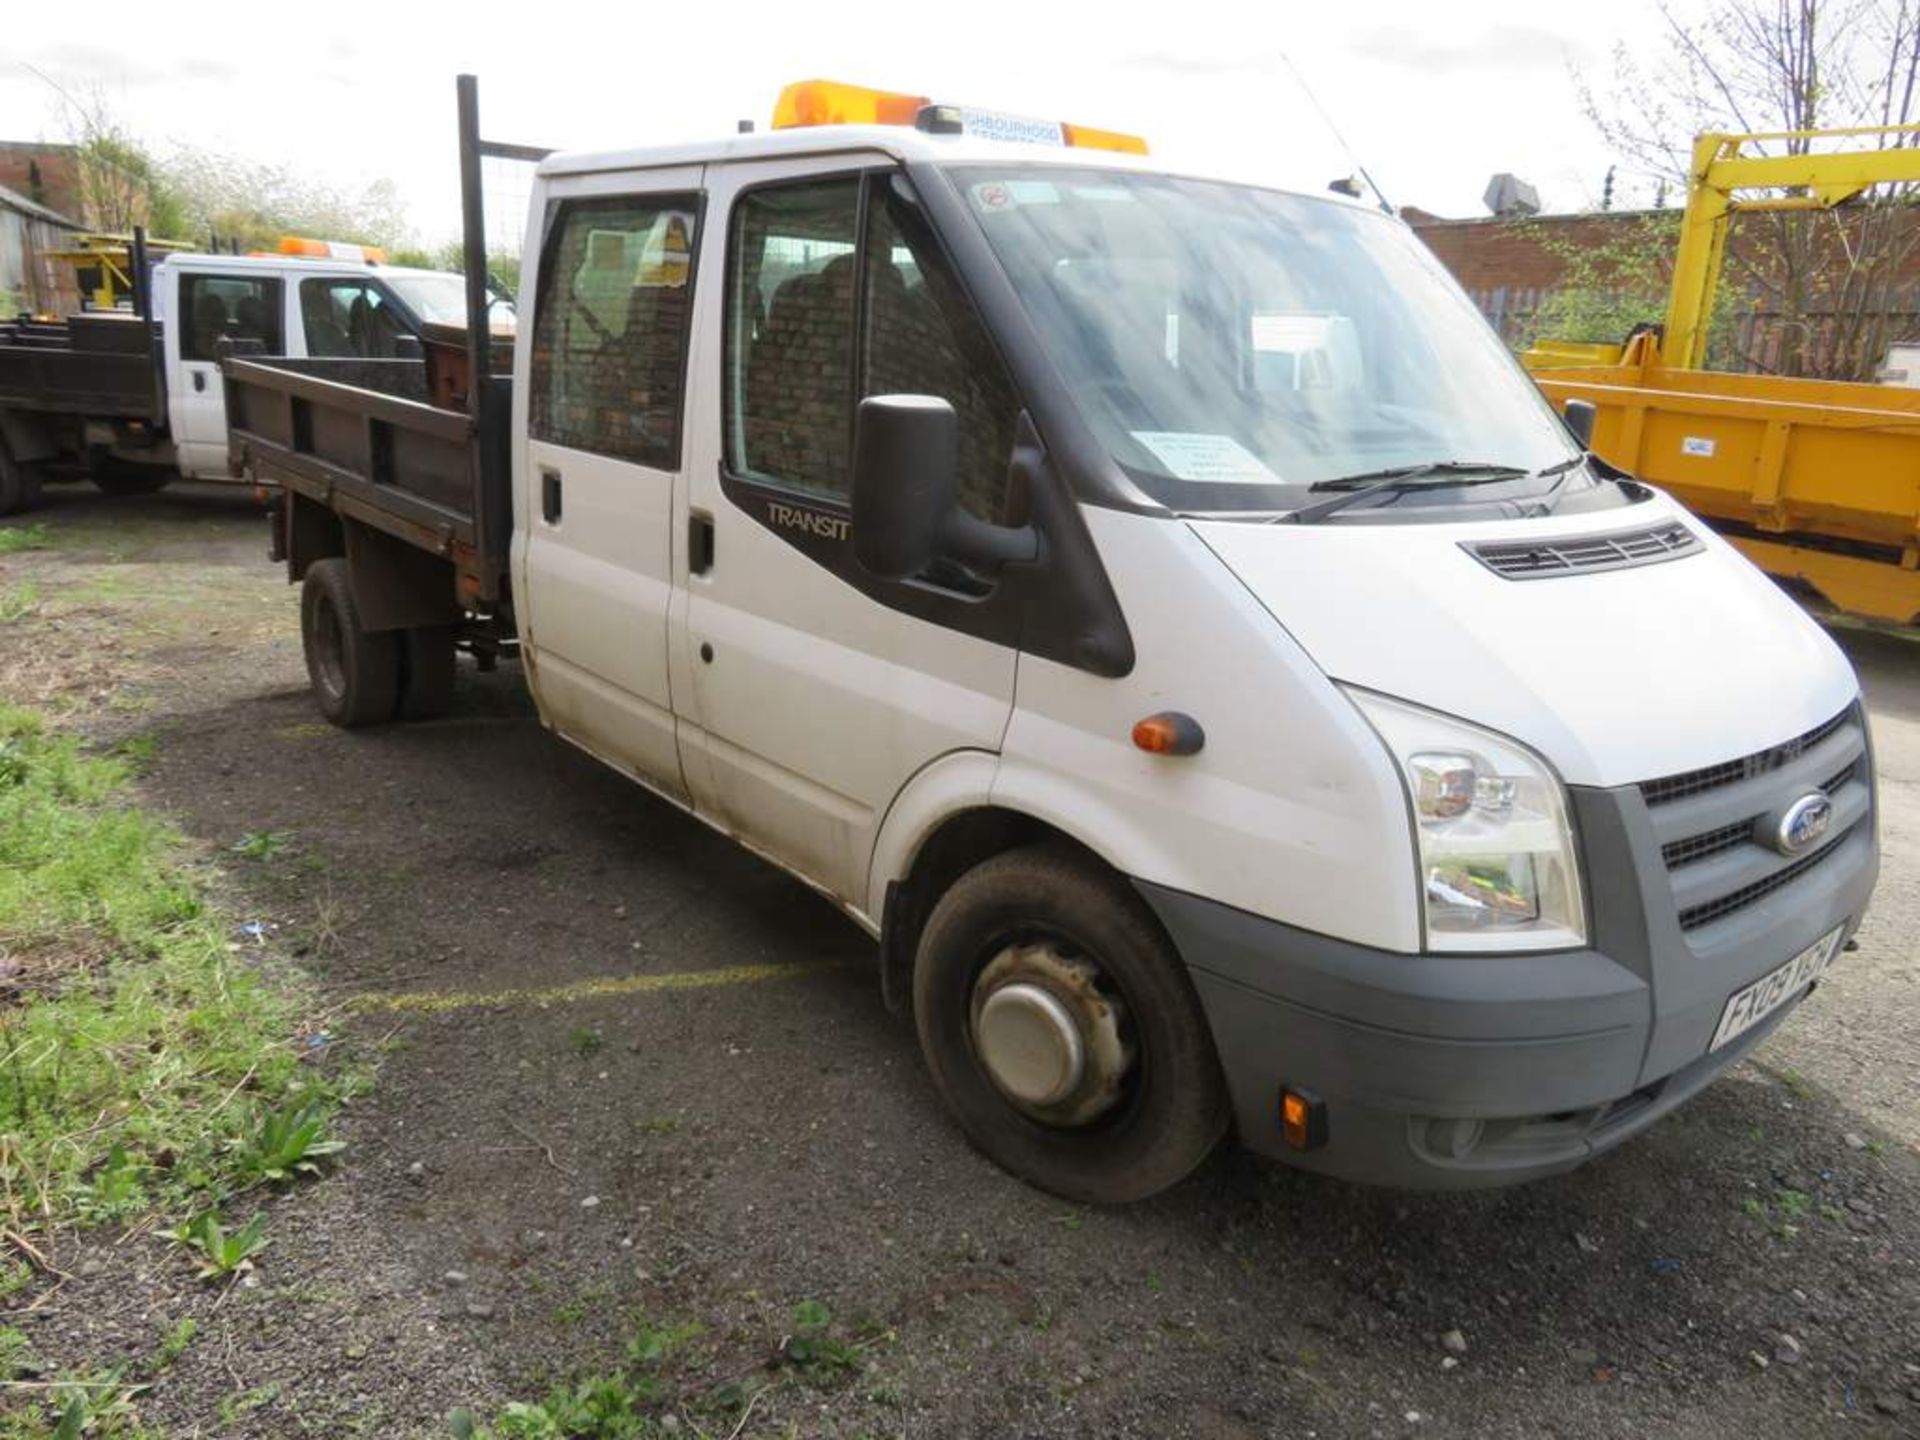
point(59, 187)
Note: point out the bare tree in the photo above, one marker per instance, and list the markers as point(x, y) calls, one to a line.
point(1827, 279)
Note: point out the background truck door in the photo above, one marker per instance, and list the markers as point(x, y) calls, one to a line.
point(814, 701)
point(211, 307)
point(603, 453)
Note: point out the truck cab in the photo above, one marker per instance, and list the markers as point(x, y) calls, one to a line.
point(134, 401)
point(1161, 613)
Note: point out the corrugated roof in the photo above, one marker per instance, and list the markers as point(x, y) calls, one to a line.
point(14, 200)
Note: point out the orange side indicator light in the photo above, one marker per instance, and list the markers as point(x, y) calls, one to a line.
point(1303, 1119)
point(1169, 733)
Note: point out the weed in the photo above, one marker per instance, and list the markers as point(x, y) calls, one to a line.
point(1832, 1214)
point(659, 1125)
point(585, 1042)
point(1796, 1084)
point(137, 751)
point(16, 1353)
point(1070, 1221)
point(813, 1349)
point(652, 1344)
point(174, 1344)
point(15, 538)
point(262, 844)
point(245, 1402)
point(15, 1276)
point(95, 1404)
point(286, 1143)
point(18, 601)
point(1753, 1207)
point(125, 1058)
point(1792, 1203)
point(223, 1252)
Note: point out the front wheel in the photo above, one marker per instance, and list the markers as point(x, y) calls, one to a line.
point(355, 673)
point(1061, 1030)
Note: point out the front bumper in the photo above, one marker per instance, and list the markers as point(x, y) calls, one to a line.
point(1445, 1072)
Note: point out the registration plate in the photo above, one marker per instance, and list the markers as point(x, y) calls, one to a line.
point(1750, 1006)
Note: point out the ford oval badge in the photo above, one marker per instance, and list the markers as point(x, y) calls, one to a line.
point(1803, 823)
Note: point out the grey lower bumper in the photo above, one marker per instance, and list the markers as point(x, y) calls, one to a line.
point(1455, 1072)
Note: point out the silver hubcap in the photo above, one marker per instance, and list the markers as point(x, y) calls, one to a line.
point(1048, 1035)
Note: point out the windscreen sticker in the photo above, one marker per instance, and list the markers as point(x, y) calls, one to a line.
point(992, 195)
point(1219, 459)
point(1110, 194)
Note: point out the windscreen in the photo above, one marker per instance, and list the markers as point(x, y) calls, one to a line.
point(442, 299)
point(1234, 346)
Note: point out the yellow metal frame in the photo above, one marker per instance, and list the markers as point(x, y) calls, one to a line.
point(114, 255)
point(1722, 168)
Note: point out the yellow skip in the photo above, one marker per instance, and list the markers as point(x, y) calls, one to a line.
point(430, 1003)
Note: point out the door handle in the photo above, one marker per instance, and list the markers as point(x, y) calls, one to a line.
point(199, 381)
point(699, 543)
point(550, 495)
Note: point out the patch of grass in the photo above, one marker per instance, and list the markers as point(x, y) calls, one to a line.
point(585, 1042)
point(15, 538)
point(641, 1397)
point(262, 844)
point(18, 601)
point(173, 1344)
point(285, 1143)
point(138, 1060)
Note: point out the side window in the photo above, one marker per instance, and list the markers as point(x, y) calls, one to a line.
point(228, 307)
point(347, 317)
point(794, 371)
point(790, 335)
point(610, 333)
point(923, 338)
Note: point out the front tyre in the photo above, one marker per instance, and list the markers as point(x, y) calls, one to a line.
point(1061, 1030)
point(355, 673)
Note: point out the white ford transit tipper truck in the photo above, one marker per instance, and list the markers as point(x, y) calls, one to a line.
point(1156, 609)
point(132, 398)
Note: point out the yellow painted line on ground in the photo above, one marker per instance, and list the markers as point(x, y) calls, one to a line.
point(435, 1003)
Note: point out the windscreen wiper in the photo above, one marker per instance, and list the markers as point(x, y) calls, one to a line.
point(1434, 475)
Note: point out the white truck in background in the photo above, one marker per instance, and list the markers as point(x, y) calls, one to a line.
point(132, 398)
point(1157, 610)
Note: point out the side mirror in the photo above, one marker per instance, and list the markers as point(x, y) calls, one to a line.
point(408, 347)
point(906, 500)
point(1579, 417)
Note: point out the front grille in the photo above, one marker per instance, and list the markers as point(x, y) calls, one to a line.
point(1714, 824)
point(1729, 772)
point(1697, 915)
point(1699, 847)
point(1538, 559)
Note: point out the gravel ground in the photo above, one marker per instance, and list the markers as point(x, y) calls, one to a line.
point(536, 1172)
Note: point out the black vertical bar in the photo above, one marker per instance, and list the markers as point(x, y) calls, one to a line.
point(489, 437)
point(142, 301)
point(473, 224)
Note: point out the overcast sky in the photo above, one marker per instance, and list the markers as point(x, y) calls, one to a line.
point(1434, 98)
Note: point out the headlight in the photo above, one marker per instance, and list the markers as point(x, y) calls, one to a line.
point(1497, 864)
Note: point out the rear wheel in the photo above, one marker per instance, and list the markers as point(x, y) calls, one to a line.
point(355, 673)
point(1061, 1029)
point(426, 672)
point(19, 483)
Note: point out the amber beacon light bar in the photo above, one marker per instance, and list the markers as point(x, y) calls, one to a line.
point(829, 102)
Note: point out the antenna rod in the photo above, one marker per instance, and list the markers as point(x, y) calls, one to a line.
point(1314, 100)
